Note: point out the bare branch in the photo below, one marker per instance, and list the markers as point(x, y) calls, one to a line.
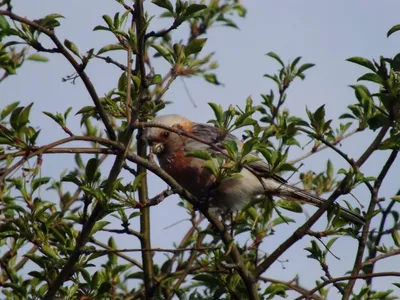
point(344, 278)
point(381, 256)
point(127, 258)
point(292, 286)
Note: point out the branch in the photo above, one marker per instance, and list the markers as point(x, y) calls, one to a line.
point(108, 248)
point(292, 286)
point(159, 198)
point(322, 147)
point(344, 278)
point(177, 250)
point(381, 256)
point(39, 151)
point(302, 230)
point(109, 60)
point(166, 87)
point(381, 233)
point(364, 236)
point(79, 68)
point(125, 230)
point(140, 68)
point(72, 150)
point(160, 33)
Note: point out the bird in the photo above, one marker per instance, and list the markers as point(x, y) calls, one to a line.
point(232, 192)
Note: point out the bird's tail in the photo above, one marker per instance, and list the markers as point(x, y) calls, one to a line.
point(285, 190)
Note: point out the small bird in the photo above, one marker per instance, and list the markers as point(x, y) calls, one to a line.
point(232, 193)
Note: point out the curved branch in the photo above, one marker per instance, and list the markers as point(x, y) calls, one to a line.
point(292, 286)
point(322, 147)
point(344, 278)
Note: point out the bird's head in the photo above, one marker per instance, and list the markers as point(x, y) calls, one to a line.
point(160, 139)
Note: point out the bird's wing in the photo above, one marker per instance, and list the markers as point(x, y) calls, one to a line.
point(213, 135)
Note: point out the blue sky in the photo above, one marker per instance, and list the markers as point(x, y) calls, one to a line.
point(322, 32)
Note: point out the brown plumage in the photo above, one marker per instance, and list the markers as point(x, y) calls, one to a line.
point(231, 193)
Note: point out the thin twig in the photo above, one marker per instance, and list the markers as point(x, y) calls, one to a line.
point(160, 33)
point(344, 278)
point(291, 286)
point(177, 250)
point(108, 248)
point(381, 256)
point(322, 147)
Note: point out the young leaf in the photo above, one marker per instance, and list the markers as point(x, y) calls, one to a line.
point(7, 110)
point(195, 46)
point(37, 57)
point(362, 62)
point(277, 58)
point(164, 4)
point(111, 47)
point(72, 47)
point(393, 30)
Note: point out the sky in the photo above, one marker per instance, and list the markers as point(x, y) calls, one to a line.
point(324, 33)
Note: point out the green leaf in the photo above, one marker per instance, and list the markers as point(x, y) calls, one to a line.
point(138, 180)
point(91, 168)
point(362, 62)
point(164, 52)
point(393, 30)
point(304, 67)
point(38, 182)
point(164, 4)
point(72, 47)
point(111, 47)
point(396, 198)
point(192, 9)
point(7, 110)
point(232, 148)
point(208, 279)
point(46, 249)
point(104, 288)
point(280, 220)
point(41, 206)
point(276, 57)
point(98, 226)
point(37, 57)
point(201, 154)
point(371, 77)
point(157, 78)
point(55, 118)
point(86, 109)
point(195, 46)
point(212, 78)
point(290, 205)
point(396, 238)
point(23, 118)
point(218, 112)
point(3, 23)
point(108, 20)
point(319, 114)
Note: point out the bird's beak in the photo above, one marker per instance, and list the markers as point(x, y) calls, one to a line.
point(157, 148)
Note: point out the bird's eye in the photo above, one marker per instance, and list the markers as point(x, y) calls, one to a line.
point(166, 134)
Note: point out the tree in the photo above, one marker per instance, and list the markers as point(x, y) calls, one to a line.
point(219, 256)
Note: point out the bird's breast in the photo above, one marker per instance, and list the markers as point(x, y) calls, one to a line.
point(188, 172)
